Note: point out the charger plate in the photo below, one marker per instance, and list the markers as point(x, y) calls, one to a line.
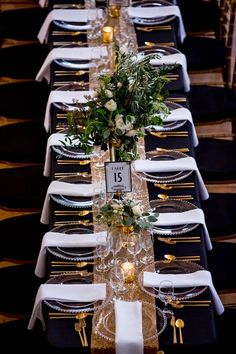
point(104, 322)
point(72, 253)
point(173, 267)
point(165, 177)
point(153, 20)
point(75, 307)
point(172, 206)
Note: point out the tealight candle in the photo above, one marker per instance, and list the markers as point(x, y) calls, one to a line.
point(128, 269)
point(114, 11)
point(107, 34)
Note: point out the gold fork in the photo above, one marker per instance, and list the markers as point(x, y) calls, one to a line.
point(83, 325)
point(154, 28)
point(78, 329)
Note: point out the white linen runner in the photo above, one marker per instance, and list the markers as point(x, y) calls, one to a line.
point(198, 278)
point(67, 15)
point(57, 239)
point(128, 324)
point(68, 189)
point(150, 12)
point(65, 292)
point(182, 164)
point(179, 114)
point(194, 216)
point(66, 97)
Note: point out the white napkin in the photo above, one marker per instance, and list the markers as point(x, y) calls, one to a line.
point(65, 292)
point(187, 217)
point(57, 239)
point(82, 53)
point(182, 164)
point(150, 12)
point(199, 278)
point(68, 189)
point(129, 332)
point(68, 15)
point(63, 96)
point(179, 114)
point(177, 58)
point(53, 140)
point(43, 3)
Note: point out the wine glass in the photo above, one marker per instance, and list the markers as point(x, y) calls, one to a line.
point(166, 295)
point(147, 245)
point(99, 164)
point(134, 246)
point(115, 243)
point(102, 251)
point(117, 280)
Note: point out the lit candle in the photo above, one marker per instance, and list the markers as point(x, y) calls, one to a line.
point(114, 11)
point(129, 271)
point(107, 34)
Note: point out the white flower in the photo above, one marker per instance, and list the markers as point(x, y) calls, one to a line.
point(109, 93)
point(119, 84)
point(120, 122)
point(95, 94)
point(111, 105)
point(137, 210)
point(128, 126)
point(124, 50)
point(132, 132)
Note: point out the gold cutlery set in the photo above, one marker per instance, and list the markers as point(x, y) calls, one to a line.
point(73, 162)
point(174, 240)
point(79, 83)
point(166, 134)
point(170, 186)
point(180, 197)
point(171, 257)
point(154, 28)
point(71, 72)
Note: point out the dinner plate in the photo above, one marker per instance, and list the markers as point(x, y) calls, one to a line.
point(74, 202)
point(164, 177)
point(74, 307)
point(154, 20)
point(154, 322)
point(172, 206)
point(173, 267)
point(73, 63)
point(159, 50)
point(72, 253)
point(72, 26)
point(168, 126)
point(64, 106)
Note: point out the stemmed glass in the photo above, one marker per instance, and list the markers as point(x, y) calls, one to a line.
point(134, 247)
point(166, 294)
point(115, 243)
point(147, 245)
point(117, 280)
point(102, 251)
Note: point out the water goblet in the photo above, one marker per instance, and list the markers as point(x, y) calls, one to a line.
point(134, 247)
point(117, 280)
point(147, 245)
point(166, 295)
point(102, 251)
point(115, 243)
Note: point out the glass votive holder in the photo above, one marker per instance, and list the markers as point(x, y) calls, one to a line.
point(114, 11)
point(107, 34)
point(128, 269)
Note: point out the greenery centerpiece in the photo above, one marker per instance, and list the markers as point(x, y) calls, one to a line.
point(126, 213)
point(126, 100)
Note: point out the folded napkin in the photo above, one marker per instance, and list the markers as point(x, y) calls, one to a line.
point(66, 97)
point(152, 12)
point(67, 15)
point(128, 323)
point(65, 292)
point(177, 58)
point(182, 164)
point(194, 216)
point(57, 239)
point(55, 139)
point(199, 278)
point(179, 114)
point(68, 189)
point(82, 53)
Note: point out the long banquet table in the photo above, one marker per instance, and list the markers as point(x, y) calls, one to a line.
point(199, 321)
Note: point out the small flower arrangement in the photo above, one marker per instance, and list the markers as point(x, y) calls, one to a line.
point(125, 102)
point(126, 212)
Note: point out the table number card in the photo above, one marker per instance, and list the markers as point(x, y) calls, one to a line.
point(118, 177)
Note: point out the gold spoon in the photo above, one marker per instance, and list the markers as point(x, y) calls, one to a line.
point(177, 149)
point(169, 241)
point(180, 324)
point(180, 306)
point(153, 44)
point(171, 257)
point(74, 212)
point(75, 73)
point(177, 185)
point(166, 197)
